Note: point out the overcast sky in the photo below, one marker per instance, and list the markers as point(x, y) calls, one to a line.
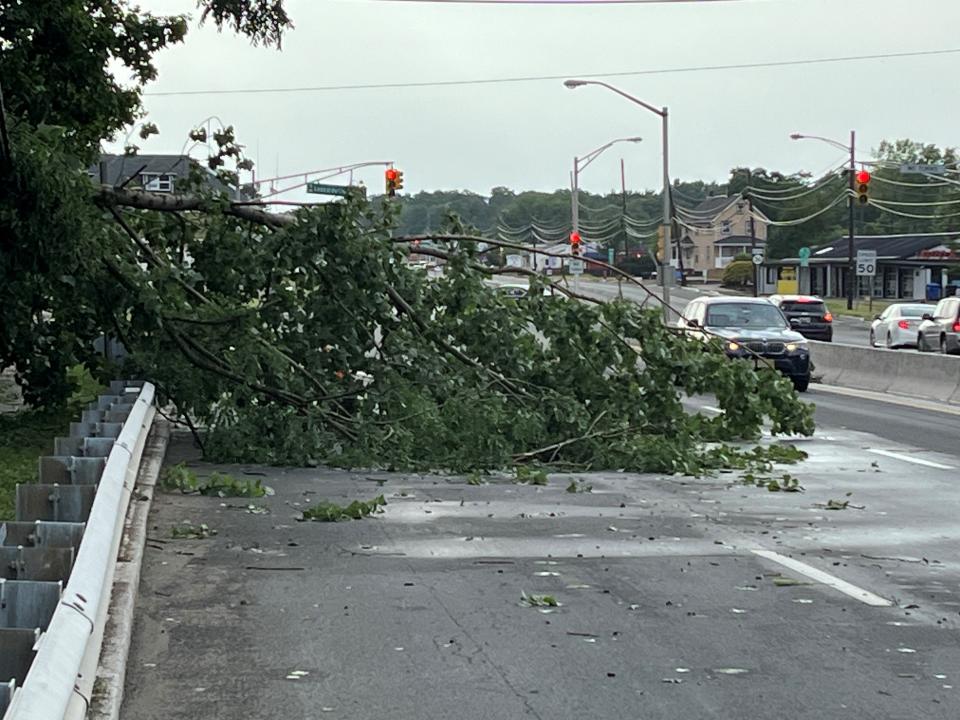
point(524, 135)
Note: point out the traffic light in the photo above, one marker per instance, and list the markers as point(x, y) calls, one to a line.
point(575, 244)
point(862, 179)
point(391, 177)
point(398, 183)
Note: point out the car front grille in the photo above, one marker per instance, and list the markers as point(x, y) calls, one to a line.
point(764, 348)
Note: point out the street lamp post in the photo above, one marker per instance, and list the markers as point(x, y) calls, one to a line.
point(662, 112)
point(851, 261)
point(579, 163)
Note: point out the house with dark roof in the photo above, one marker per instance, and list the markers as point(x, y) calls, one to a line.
point(715, 231)
point(906, 266)
point(155, 173)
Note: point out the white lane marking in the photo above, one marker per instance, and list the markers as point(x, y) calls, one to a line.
point(903, 400)
point(824, 578)
point(909, 459)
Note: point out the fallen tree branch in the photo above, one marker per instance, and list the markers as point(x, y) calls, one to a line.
point(505, 269)
point(403, 306)
point(110, 197)
point(715, 337)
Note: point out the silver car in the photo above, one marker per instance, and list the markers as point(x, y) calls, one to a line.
point(897, 325)
point(940, 330)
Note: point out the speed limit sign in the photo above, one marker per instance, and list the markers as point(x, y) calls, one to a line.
point(867, 263)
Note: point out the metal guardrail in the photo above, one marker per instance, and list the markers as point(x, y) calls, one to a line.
point(57, 559)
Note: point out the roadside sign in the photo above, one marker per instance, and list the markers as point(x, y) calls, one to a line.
point(317, 188)
point(918, 169)
point(609, 256)
point(576, 267)
point(804, 255)
point(867, 263)
point(757, 256)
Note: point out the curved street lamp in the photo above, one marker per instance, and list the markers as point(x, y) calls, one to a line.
point(663, 113)
point(851, 148)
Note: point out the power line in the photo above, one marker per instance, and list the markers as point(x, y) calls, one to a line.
point(541, 78)
point(557, 2)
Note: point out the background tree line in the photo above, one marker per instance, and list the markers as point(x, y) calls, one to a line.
point(804, 210)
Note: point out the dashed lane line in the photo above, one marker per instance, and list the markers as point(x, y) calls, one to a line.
point(910, 459)
point(824, 578)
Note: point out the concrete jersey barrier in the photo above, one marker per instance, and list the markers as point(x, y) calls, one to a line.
point(922, 375)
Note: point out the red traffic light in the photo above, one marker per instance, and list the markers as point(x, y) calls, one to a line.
point(391, 174)
point(574, 238)
point(863, 177)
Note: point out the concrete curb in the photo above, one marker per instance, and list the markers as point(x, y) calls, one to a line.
point(111, 671)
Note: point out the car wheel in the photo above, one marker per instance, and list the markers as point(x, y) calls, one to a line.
point(943, 344)
point(801, 383)
point(873, 339)
point(889, 342)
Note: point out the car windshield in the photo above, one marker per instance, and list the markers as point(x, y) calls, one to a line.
point(803, 306)
point(913, 311)
point(744, 315)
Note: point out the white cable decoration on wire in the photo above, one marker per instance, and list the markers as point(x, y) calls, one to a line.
point(799, 221)
point(899, 183)
point(789, 198)
point(884, 208)
point(931, 203)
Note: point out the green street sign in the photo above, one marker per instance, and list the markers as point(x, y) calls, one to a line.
point(804, 255)
point(316, 188)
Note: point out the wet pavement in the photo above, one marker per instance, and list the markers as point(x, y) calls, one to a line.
point(666, 609)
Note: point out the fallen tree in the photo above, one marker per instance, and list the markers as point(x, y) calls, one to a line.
point(313, 340)
point(306, 337)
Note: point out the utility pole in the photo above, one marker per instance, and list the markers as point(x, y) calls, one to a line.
point(753, 234)
point(851, 265)
point(753, 247)
point(623, 210)
point(664, 280)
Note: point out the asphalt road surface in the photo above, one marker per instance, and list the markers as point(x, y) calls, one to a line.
point(678, 597)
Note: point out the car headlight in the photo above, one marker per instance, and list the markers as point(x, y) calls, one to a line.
point(794, 346)
point(732, 346)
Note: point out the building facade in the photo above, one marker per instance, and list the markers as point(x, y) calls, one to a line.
point(909, 267)
point(155, 173)
point(715, 232)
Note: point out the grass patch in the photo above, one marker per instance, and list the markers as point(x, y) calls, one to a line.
point(29, 433)
point(24, 437)
point(861, 307)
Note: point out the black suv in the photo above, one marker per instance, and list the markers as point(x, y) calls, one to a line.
point(750, 327)
point(807, 315)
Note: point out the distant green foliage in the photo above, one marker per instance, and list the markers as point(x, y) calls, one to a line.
point(357, 510)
